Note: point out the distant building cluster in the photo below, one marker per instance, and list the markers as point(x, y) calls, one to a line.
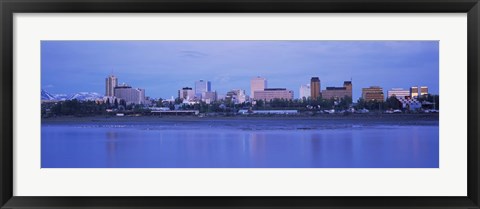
point(124, 92)
point(259, 90)
point(202, 92)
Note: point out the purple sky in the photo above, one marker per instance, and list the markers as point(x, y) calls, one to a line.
point(163, 67)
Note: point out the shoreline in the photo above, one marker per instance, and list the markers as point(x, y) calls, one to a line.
point(354, 118)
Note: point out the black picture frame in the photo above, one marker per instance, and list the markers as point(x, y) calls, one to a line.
point(9, 7)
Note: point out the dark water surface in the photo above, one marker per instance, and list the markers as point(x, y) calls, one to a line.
point(213, 143)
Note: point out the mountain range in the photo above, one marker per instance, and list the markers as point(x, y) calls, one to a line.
point(83, 96)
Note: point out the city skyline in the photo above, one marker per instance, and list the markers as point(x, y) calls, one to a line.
point(389, 64)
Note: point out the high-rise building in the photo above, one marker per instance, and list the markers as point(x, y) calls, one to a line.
point(110, 83)
point(423, 90)
point(338, 92)
point(398, 93)
point(315, 88)
point(186, 93)
point(373, 93)
point(257, 84)
point(414, 91)
point(201, 87)
point(305, 91)
point(130, 95)
point(273, 93)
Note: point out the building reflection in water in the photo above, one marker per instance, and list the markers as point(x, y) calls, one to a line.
point(111, 144)
point(257, 149)
point(330, 149)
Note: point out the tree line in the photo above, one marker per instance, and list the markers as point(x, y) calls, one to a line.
point(89, 108)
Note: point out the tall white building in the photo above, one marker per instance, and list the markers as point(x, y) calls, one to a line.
point(398, 93)
point(110, 83)
point(305, 91)
point(129, 94)
point(257, 84)
point(201, 87)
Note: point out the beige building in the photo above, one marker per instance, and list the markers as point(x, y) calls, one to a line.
point(314, 88)
point(130, 95)
point(414, 91)
point(257, 84)
point(373, 93)
point(423, 90)
point(338, 92)
point(186, 93)
point(110, 83)
point(273, 93)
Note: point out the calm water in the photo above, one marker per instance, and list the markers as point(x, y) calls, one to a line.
point(239, 144)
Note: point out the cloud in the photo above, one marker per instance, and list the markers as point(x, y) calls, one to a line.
point(192, 54)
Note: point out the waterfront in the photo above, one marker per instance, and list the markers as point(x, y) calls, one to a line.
point(240, 143)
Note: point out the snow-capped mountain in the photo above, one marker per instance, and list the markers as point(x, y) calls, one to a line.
point(61, 97)
point(83, 96)
point(47, 96)
point(86, 96)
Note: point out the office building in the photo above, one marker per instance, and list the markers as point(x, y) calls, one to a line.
point(186, 93)
point(414, 91)
point(201, 87)
point(130, 95)
point(273, 93)
point(373, 93)
point(338, 92)
point(110, 83)
point(257, 84)
point(398, 93)
point(423, 90)
point(315, 88)
point(305, 91)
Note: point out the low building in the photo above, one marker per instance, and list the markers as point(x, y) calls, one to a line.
point(398, 93)
point(130, 95)
point(273, 93)
point(410, 103)
point(373, 93)
point(338, 92)
point(276, 112)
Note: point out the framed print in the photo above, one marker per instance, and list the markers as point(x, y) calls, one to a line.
point(261, 104)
